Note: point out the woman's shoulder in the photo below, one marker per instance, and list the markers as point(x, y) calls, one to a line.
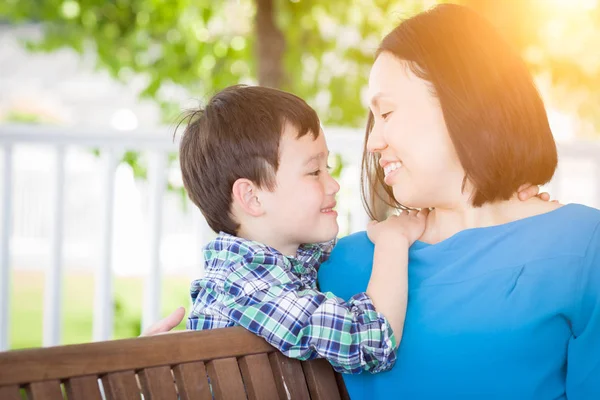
point(354, 241)
point(576, 219)
point(356, 249)
point(348, 269)
point(566, 231)
point(583, 211)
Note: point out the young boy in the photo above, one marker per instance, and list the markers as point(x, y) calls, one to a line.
point(255, 162)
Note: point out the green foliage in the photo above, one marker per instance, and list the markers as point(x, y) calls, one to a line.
point(22, 117)
point(205, 45)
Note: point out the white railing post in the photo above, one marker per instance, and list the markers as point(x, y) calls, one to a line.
point(152, 290)
point(5, 275)
point(103, 300)
point(54, 277)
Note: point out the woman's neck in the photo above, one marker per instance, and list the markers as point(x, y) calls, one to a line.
point(444, 222)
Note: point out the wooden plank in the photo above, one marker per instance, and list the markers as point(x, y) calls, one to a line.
point(258, 377)
point(226, 380)
point(342, 387)
point(12, 392)
point(320, 379)
point(47, 390)
point(121, 386)
point(62, 362)
point(158, 383)
point(289, 377)
point(192, 381)
point(83, 387)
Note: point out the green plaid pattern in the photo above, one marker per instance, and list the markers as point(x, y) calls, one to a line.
point(276, 297)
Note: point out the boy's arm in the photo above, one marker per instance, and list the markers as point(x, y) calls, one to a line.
point(392, 239)
point(304, 324)
point(388, 286)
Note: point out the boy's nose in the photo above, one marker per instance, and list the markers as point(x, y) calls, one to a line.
point(332, 185)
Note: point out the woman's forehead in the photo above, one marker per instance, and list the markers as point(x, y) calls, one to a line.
point(392, 79)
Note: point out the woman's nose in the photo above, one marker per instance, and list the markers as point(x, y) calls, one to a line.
point(375, 142)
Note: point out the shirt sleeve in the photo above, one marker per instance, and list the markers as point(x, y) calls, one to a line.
point(583, 364)
point(303, 323)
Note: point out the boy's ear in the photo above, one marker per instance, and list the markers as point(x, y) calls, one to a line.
point(245, 196)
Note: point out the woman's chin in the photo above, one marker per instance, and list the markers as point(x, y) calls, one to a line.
point(406, 198)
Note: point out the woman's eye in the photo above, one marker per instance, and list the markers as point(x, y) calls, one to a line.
point(385, 115)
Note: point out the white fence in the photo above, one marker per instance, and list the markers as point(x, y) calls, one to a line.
point(63, 207)
point(63, 204)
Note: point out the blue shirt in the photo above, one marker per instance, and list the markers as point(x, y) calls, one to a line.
point(503, 312)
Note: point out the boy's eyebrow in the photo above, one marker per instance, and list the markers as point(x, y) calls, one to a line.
point(317, 157)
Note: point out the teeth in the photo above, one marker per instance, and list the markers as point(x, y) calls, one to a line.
point(391, 167)
point(326, 210)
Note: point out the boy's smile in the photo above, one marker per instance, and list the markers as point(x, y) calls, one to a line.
point(301, 207)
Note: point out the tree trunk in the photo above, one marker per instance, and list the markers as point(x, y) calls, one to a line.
point(270, 45)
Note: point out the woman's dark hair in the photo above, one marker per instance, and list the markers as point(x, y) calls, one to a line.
point(493, 112)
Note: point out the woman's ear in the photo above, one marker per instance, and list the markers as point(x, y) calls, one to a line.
point(245, 197)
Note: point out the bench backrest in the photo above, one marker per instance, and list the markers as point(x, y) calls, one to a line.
point(228, 363)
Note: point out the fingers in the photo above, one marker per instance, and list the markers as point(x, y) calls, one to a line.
point(166, 324)
point(527, 191)
point(523, 187)
point(423, 213)
point(544, 196)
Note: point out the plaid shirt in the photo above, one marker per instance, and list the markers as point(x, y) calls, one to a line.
point(276, 297)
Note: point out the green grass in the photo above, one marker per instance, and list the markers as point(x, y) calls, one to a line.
point(26, 304)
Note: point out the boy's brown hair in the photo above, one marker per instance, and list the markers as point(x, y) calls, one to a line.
point(237, 136)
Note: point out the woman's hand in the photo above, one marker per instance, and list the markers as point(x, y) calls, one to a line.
point(166, 324)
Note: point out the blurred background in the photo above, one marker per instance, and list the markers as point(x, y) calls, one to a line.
point(97, 237)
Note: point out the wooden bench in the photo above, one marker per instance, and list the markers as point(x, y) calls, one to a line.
point(228, 363)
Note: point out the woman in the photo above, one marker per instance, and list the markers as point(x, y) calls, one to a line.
point(504, 296)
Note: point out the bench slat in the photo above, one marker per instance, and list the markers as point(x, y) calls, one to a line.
point(342, 387)
point(321, 381)
point(12, 392)
point(121, 386)
point(262, 372)
point(258, 377)
point(158, 384)
point(31, 365)
point(84, 388)
point(192, 381)
point(47, 390)
point(289, 377)
point(226, 379)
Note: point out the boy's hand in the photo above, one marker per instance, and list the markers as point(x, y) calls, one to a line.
point(409, 224)
point(166, 324)
point(527, 191)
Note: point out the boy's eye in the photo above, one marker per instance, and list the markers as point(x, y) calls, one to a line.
point(315, 173)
